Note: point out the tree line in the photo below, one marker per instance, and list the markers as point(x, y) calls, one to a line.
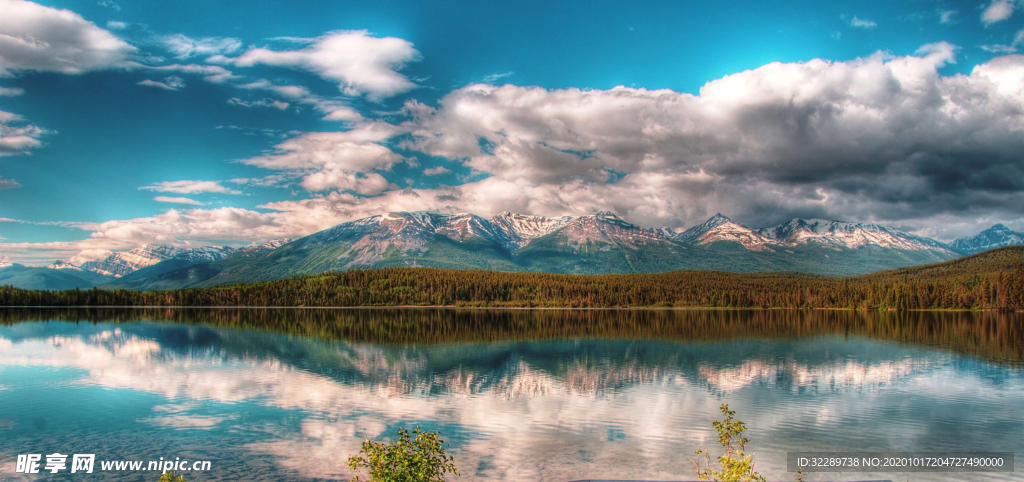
point(990, 280)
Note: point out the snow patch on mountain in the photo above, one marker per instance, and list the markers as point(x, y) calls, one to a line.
point(63, 265)
point(606, 227)
point(847, 235)
point(518, 230)
point(268, 246)
point(124, 262)
point(721, 228)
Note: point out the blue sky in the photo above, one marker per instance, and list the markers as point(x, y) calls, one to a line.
point(208, 122)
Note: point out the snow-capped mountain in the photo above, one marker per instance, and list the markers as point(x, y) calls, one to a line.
point(596, 243)
point(411, 231)
point(995, 237)
point(847, 235)
point(721, 228)
point(268, 246)
point(63, 265)
point(407, 233)
point(519, 229)
point(123, 262)
point(605, 227)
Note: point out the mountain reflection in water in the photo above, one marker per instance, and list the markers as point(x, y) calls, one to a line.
point(518, 394)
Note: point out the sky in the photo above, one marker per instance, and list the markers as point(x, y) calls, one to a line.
point(193, 123)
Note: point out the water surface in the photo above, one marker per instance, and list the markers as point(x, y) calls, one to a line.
point(548, 395)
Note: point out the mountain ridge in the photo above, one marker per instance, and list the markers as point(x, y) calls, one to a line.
point(589, 244)
point(596, 243)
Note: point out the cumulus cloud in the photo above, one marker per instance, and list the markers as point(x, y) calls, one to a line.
point(183, 47)
point(169, 83)
point(887, 138)
point(34, 37)
point(174, 226)
point(177, 200)
point(435, 171)
point(183, 228)
point(335, 160)
point(997, 11)
point(884, 138)
point(16, 137)
point(189, 187)
point(359, 62)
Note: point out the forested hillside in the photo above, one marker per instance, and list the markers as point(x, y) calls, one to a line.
point(990, 280)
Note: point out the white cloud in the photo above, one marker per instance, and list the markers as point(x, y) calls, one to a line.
point(999, 48)
point(211, 73)
point(335, 160)
point(16, 137)
point(8, 183)
point(44, 39)
point(333, 110)
point(189, 187)
point(115, 25)
point(276, 104)
point(947, 16)
point(177, 200)
point(1018, 41)
point(492, 78)
point(174, 226)
point(434, 171)
point(183, 47)
point(862, 22)
point(883, 138)
point(109, 4)
point(169, 83)
point(361, 63)
point(997, 11)
point(11, 91)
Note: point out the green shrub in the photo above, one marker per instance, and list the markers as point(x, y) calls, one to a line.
point(736, 466)
point(171, 477)
point(420, 459)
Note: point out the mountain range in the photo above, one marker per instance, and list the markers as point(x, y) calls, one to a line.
point(593, 244)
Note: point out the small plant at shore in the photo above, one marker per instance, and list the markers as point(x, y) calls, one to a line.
point(418, 459)
point(736, 466)
point(171, 477)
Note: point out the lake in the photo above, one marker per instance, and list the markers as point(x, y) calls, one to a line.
point(538, 395)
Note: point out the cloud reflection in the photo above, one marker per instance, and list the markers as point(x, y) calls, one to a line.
point(510, 411)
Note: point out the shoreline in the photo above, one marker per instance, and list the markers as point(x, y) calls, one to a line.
point(534, 308)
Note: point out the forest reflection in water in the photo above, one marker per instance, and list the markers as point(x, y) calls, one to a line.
point(994, 336)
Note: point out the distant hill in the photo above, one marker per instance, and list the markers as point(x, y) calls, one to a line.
point(34, 278)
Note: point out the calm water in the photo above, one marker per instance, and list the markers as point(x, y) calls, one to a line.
point(518, 395)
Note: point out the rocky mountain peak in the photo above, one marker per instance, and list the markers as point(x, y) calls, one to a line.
point(997, 236)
